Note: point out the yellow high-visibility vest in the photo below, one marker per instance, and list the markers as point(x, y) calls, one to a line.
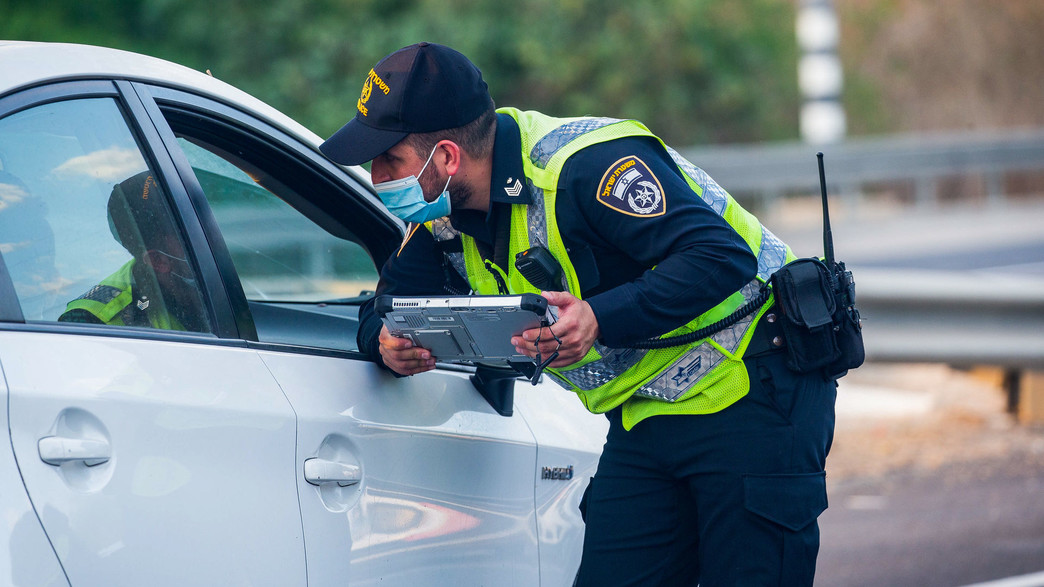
point(107, 300)
point(703, 377)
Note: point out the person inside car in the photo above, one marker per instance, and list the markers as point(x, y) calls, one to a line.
point(156, 288)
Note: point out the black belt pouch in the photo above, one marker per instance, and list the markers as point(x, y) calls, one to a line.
point(806, 300)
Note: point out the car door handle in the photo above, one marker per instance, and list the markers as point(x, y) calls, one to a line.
point(56, 450)
point(318, 471)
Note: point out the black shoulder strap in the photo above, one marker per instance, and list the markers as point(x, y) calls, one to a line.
point(501, 238)
point(502, 244)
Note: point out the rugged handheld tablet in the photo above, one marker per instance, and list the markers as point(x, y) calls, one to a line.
point(465, 328)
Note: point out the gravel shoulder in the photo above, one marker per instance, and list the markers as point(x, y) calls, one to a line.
point(931, 482)
point(913, 419)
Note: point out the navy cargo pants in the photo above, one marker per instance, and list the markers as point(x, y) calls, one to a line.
point(724, 499)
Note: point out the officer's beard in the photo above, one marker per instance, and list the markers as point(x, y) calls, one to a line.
point(433, 185)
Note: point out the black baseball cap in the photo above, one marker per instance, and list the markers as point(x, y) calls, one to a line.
point(421, 88)
point(137, 213)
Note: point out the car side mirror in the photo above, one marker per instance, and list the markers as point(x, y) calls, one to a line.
point(497, 386)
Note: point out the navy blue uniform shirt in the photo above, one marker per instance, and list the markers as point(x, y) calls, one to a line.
point(647, 262)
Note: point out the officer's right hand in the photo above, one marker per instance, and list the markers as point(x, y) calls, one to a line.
point(401, 356)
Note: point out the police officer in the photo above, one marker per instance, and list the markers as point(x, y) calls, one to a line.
point(156, 288)
point(713, 469)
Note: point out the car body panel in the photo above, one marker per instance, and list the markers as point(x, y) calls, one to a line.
point(26, 556)
point(201, 459)
point(569, 438)
point(446, 481)
point(226, 450)
point(28, 64)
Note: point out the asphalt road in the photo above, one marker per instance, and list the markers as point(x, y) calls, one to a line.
point(956, 526)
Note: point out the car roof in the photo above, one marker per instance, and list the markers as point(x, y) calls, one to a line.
point(28, 63)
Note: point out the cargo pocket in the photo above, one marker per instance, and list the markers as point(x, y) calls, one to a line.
point(792, 501)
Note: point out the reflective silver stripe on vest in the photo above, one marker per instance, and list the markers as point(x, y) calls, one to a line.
point(678, 377)
point(713, 194)
point(773, 252)
point(598, 373)
point(550, 143)
point(683, 373)
point(772, 256)
point(103, 294)
point(442, 230)
point(536, 224)
point(536, 220)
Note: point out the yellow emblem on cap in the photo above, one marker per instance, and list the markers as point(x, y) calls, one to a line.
point(367, 90)
point(145, 189)
point(365, 97)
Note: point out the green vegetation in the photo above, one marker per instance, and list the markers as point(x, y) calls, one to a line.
point(695, 71)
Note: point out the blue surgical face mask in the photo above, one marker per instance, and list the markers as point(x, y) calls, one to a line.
point(405, 198)
point(177, 266)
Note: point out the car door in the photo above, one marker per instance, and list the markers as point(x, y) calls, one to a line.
point(26, 557)
point(155, 448)
point(411, 481)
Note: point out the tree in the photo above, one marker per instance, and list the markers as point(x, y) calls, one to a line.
point(693, 70)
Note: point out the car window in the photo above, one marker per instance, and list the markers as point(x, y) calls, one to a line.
point(280, 254)
point(86, 229)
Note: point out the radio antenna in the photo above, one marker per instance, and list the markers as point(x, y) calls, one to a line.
point(828, 239)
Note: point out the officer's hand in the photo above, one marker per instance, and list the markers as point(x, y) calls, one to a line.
point(577, 328)
point(401, 356)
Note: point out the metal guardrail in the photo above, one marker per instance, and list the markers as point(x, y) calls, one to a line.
point(954, 318)
point(766, 172)
point(911, 316)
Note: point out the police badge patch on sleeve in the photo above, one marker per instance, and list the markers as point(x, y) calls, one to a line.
point(629, 186)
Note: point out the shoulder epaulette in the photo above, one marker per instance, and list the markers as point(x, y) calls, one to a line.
point(102, 294)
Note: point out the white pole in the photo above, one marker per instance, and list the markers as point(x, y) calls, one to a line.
point(820, 76)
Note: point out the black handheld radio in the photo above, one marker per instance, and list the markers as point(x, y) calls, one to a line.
point(817, 303)
point(540, 268)
point(844, 286)
point(847, 327)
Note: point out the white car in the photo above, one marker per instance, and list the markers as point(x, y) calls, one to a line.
point(227, 431)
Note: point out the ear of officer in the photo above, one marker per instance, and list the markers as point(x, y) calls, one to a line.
point(455, 162)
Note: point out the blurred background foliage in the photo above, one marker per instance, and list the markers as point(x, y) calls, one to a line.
point(696, 71)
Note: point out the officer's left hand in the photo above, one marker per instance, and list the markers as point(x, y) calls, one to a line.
point(577, 328)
